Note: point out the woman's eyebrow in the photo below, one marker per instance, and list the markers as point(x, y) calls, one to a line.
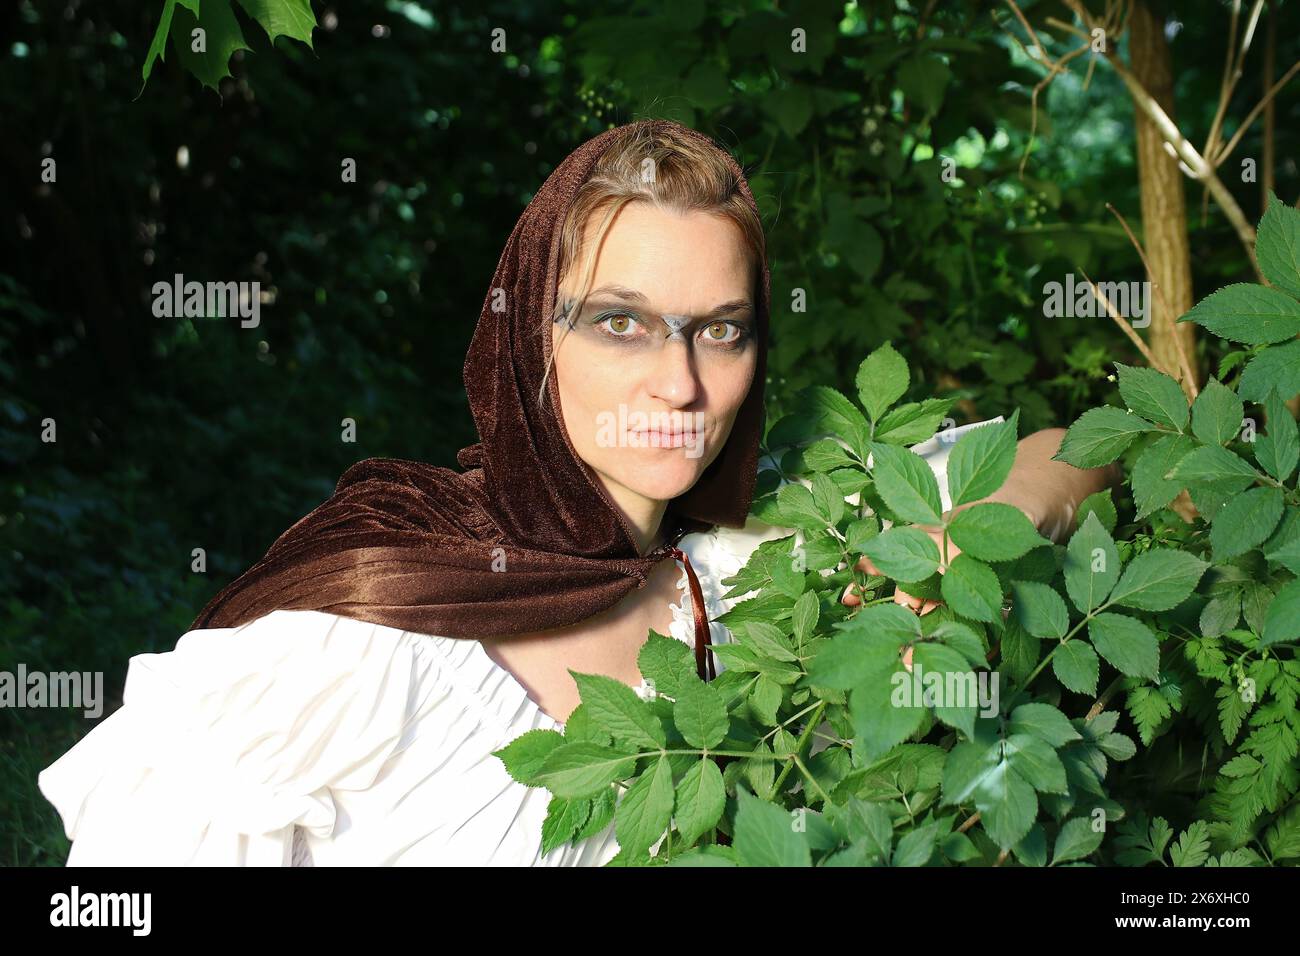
point(631, 295)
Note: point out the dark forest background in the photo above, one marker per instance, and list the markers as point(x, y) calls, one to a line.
point(176, 434)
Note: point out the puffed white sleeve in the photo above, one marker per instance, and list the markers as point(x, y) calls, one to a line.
point(226, 743)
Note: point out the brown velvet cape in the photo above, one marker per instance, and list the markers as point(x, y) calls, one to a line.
point(412, 545)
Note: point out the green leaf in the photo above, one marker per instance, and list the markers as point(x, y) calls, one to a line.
point(878, 723)
point(1246, 312)
point(805, 615)
point(916, 848)
point(524, 756)
point(1216, 414)
point(1151, 489)
point(971, 589)
point(827, 454)
point(583, 769)
point(222, 37)
point(617, 709)
point(666, 663)
point(1040, 609)
point(646, 809)
point(881, 380)
point(1037, 762)
point(1214, 464)
point(828, 500)
point(904, 554)
point(1277, 245)
point(866, 646)
point(906, 483)
point(914, 422)
point(700, 800)
point(700, 714)
point(981, 460)
point(1245, 522)
point(1076, 840)
point(1007, 806)
point(1127, 643)
point(283, 18)
point(563, 819)
point(1274, 368)
point(1153, 395)
point(1044, 722)
point(1092, 565)
point(994, 532)
point(1279, 450)
point(1282, 622)
point(923, 79)
point(1103, 505)
point(1099, 436)
point(799, 507)
point(1076, 667)
point(1158, 580)
point(765, 834)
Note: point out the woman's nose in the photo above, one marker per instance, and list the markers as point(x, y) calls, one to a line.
point(673, 377)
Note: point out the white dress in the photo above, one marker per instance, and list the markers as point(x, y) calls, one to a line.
point(306, 738)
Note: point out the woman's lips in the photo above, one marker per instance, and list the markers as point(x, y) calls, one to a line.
point(656, 438)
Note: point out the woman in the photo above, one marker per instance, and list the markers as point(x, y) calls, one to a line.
point(339, 703)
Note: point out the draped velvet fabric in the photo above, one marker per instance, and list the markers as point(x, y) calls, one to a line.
point(525, 538)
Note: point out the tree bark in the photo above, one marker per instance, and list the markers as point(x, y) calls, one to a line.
point(1164, 205)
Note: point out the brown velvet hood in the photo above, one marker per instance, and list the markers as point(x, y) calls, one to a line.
point(421, 548)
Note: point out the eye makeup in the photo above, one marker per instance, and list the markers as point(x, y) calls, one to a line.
point(629, 328)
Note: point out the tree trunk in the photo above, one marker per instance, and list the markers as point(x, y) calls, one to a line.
point(1164, 206)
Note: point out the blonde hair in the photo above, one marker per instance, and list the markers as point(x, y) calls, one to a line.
point(665, 166)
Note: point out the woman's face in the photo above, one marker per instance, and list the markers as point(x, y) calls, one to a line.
point(655, 368)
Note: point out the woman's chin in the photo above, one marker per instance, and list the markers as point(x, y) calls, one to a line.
point(663, 480)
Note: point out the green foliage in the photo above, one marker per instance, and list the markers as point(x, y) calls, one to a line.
point(910, 771)
point(205, 33)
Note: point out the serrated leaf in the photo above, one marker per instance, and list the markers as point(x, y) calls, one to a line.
point(1282, 623)
point(1044, 722)
point(904, 554)
point(1216, 414)
point(1158, 580)
point(1249, 313)
point(1151, 489)
point(765, 835)
point(646, 809)
point(616, 708)
point(1040, 609)
point(994, 531)
point(972, 589)
point(1076, 667)
point(1127, 643)
point(1277, 245)
point(881, 380)
point(979, 463)
point(1099, 436)
point(1245, 522)
point(1153, 395)
point(1092, 565)
point(1076, 840)
point(907, 484)
point(700, 800)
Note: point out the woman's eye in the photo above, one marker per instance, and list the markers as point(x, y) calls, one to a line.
point(618, 323)
point(722, 332)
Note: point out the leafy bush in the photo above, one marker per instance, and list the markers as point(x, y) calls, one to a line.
point(1194, 624)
